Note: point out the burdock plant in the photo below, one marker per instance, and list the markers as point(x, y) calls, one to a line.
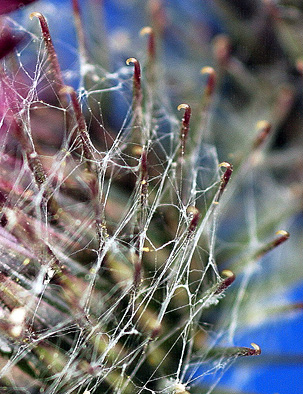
point(116, 249)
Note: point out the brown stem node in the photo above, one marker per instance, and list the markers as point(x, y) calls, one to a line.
point(137, 79)
point(264, 129)
point(230, 278)
point(185, 125)
point(151, 45)
point(224, 179)
point(282, 237)
point(211, 81)
point(246, 351)
point(257, 349)
point(137, 70)
point(195, 215)
point(156, 332)
point(136, 258)
point(222, 49)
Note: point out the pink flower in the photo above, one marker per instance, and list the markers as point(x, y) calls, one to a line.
point(7, 6)
point(8, 41)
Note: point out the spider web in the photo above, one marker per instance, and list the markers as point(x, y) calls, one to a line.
point(136, 251)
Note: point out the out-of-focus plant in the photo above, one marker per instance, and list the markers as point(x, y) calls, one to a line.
point(122, 226)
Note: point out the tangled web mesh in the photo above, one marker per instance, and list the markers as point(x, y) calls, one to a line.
point(108, 236)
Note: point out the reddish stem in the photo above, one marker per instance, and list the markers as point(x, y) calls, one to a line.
point(151, 43)
point(264, 128)
point(52, 55)
point(194, 220)
point(230, 278)
point(224, 179)
point(282, 237)
point(211, 81)
point(185, 126)
point(82, 128)
point(136, 81)
point(79, 30)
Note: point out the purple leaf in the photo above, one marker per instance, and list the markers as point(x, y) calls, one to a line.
point(7, 6)
point(9, 41)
